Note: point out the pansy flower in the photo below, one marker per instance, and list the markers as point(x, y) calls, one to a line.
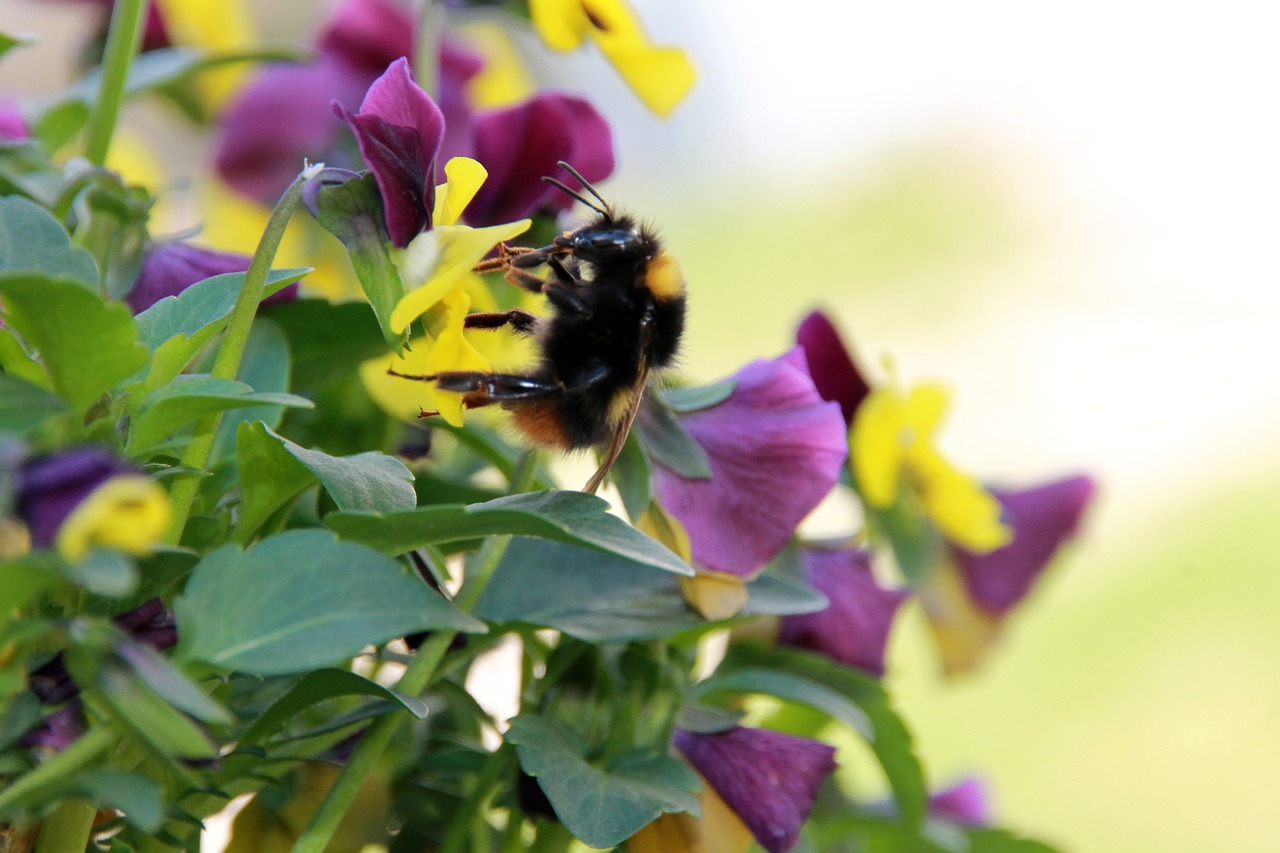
point(967, 802)
point(440, 262)
point(969, 596)
point(170, 268)
point(660, 76)
point(854, 627)
point(83, 498)
point(768, 779)
point(834, 372)
point(12, 126)
point(775, 449)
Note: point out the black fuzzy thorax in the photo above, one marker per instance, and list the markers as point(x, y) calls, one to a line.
point(602, 349)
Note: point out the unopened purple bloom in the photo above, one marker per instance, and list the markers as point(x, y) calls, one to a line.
point(50, 487)
point(58, 730)
point(399, 129)
point(775, 448)
point(170, 268)
point(834, 373)
point(11, 124)
point(966, 802)
point(854, 628)
point(1042, 519)
point(769, 779)
point(521, 144)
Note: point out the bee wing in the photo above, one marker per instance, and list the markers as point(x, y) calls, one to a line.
point(620, 434)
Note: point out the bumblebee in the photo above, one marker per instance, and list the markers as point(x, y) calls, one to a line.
point(618, 311)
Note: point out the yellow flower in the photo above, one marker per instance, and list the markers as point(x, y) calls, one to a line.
point(963, 633)
point(660, 76)
point(219, 27)
point(504, 80)
point(715, 595)
point(718, 830)
point(892, 448)
point(441, 260)
point(128, 512)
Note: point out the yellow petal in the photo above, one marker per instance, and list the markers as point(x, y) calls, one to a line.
point(441, 258)
point(562, 24)
point(963, 633)
point(876, 448)
point(128, 513)
point(925, 408)
point(504, 80)
point(719, 830)
point(222, 26)
point(964, 511)
point(715, 595)
point(667, 529)
point(660, 76)
point(463, 179)
point(505, 349)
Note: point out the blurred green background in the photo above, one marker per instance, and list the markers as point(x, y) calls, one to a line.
point(1068, 213)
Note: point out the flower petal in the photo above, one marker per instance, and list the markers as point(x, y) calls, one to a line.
point(775, 449)
point(11, 124)
point(966, 802)
point(966, 513)
point(854, 628)
point(399, 129)
point(521, 144)
point(463, 179)
point(715, 595)
point(170, 268)
point(717, 830)
point(876, 446)
point(834, 374)
point(368, 34)
point(768, 778)
point(660, 76)
point(1042, 519)
point(49, 488)
point(128, 513)
point(562, 24)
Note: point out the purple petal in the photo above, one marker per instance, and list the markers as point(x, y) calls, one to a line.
point(1042, 518)
point(834, 373)
point(58, 730)
point(768, 778)
point(399, 129)
point(11, 124)
point(458, 64)
point(368, 34)
point(776, 449)
point(855, 627)
point(521, 144)
point(50, 487)
point(965, 802)
point(285, 116)
point(170, 268)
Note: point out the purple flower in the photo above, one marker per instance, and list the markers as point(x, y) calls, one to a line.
point(170, 268)
point(11, 124)
point(1042, 519)
point(854, 628)
point(154, 33)
point(775, 448)
point(834, 373)
point(50, 487)
point(58, 730)
point(368, 35)
point(399, 129)
point(521, 144)
point(966, 802)
point(769, 779)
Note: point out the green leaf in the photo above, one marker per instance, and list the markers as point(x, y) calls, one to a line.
point(917, 546)
point(669, 443)
point(326, 340)
point(699, 397)
point(633, 477)
point(86, 344)
point(177, 327)
point(170, 683)
point(890, 739)
point(792, 688)
point(570, 517)
point(599, 598)
point(352, 212)
point(188, 398)
point(15, 361)
point(9, 41)
point(24, 407)
point(315, 687)
point(300, 600)
point(142, 710)
point(1003, 841)
point(105, 572)
point(59, 123)
point(23, 579)
point(22, 712)
point(138, 797)
point(33, 240)
point(274, 470)
point(601, 808)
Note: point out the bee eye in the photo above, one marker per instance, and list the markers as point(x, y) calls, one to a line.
point(605, 242)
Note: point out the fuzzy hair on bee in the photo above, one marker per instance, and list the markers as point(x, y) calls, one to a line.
point(617, 299)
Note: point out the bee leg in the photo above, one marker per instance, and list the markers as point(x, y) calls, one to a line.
point(525, 280)
point(520, 321)
point(562, 275)
point(565, 299)
point(481, 389)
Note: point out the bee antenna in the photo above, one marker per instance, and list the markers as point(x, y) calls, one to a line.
point(560, 185)
point(586, 185)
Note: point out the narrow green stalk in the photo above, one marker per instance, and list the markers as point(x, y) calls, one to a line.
point(426, 49)
point(82, 751)
point(464, 819)
point(231, 350)
point(123, 38)
point(67, 829)
point(418, 676)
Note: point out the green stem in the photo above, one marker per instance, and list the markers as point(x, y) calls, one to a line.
point(426, 49)
point(83, 750)
point(495, 767)
point(67, 829)
point(418, 676)
point(231, 350)
point(123, 37)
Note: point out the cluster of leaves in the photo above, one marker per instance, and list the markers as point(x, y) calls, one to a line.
point(299, 616)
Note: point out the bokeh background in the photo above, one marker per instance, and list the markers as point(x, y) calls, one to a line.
point(1069, 213)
